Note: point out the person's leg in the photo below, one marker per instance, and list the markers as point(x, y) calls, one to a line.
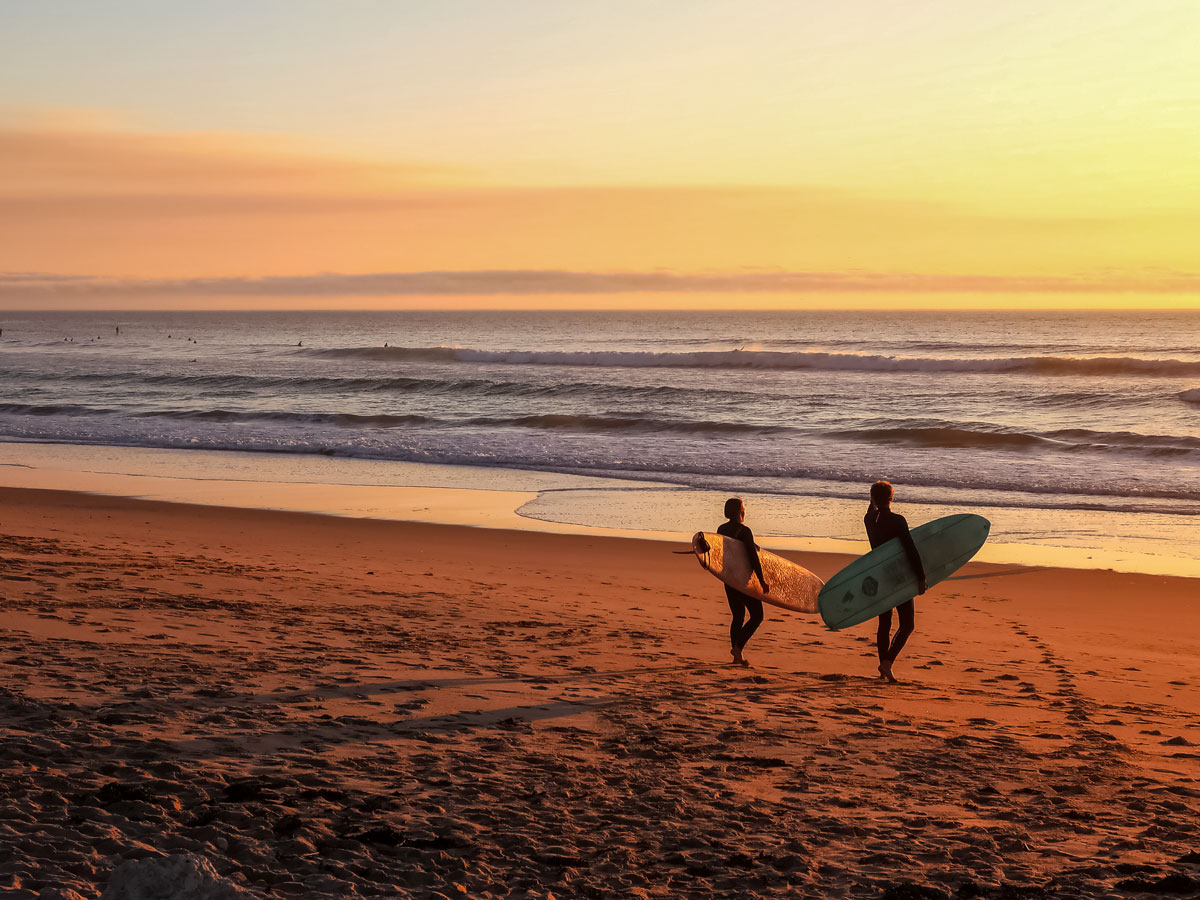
point(883, 635)
point(754, 607)
point(907, 613)
point(737, 610)
point(882, 638)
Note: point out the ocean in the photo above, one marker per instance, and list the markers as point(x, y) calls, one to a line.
point(1072, 431)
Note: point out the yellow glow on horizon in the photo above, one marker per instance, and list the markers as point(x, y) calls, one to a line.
point(930, 143)
point(131, 206)
point(956, 138)
point(873, 301)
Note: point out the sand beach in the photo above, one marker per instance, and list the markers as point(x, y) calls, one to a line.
point(252, 703)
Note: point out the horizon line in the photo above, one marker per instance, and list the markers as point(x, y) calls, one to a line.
point(600, 309)
point(25, 286)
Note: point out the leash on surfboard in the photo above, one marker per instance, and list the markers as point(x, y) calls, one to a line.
point(699, 545)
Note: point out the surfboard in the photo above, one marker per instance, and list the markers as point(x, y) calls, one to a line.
point(792, 587)
point(883, 579)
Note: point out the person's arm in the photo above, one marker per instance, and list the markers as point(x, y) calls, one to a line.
point(755, 563)
point(910, 549)
point(869, 526)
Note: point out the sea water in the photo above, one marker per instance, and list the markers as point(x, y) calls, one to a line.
point(1070, 430)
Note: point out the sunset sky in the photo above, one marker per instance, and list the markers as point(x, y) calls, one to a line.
point(656, 153)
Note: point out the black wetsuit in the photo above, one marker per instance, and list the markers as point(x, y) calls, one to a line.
point(739, 603)
point(883, 525)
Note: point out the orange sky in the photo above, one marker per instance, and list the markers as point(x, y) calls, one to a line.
point(938, 154)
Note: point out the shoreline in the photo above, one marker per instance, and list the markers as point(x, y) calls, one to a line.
point(527, 500)
point(470, 517)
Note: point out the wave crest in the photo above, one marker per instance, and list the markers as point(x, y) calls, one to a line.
point(778, 359)
point(947, 435)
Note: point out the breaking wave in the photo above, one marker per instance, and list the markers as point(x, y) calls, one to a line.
point(777, 359)
point(989, 437)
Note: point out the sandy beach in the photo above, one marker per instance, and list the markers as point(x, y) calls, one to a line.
point(295, 705)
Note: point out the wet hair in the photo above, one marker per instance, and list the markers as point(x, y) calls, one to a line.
point(732, 507)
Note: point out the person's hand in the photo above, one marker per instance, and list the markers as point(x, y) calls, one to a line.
point(922, 587)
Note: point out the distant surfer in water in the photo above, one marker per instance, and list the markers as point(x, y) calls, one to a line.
point(883, 525)
point(739, 603)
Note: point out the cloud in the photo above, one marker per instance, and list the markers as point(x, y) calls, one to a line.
point(204, 215)
point(533, 282)
point(79, 161)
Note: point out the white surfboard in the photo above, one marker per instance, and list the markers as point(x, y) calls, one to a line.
point(792, 587)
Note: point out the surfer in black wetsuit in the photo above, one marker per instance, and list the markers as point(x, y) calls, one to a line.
point(883, 525)
point(739, 603)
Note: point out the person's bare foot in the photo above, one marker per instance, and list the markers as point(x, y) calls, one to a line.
point(738, 659)
point(885, 673)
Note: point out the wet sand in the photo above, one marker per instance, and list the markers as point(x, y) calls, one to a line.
point(291, 705)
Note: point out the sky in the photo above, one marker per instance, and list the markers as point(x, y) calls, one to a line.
point(682, 153)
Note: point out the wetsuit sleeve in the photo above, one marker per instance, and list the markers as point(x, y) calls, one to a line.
point(755, 563)
point(910, 548)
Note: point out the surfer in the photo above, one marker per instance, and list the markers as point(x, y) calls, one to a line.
point(883, 525)
point(741, 628)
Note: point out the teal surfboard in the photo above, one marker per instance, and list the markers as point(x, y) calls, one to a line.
point(883, 579)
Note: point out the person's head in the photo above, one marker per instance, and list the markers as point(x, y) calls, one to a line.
point(881, 494)
point(735, 509)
